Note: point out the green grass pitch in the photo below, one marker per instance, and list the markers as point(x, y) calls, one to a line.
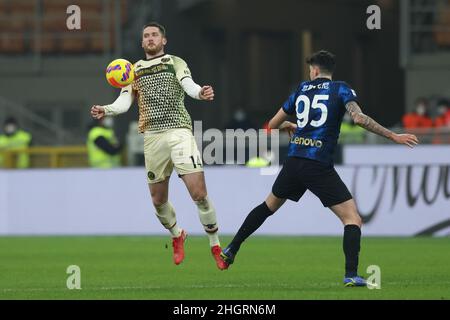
point(265, 268)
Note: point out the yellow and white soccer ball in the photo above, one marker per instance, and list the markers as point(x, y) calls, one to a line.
point(120, 73)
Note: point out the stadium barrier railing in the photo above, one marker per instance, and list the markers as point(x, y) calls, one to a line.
point(48, 157)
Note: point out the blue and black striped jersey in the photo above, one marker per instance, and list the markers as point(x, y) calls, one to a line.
point(319, 106)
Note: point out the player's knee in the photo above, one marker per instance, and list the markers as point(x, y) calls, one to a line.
point(159, 207)
point(359, 221)
point(273, 203)
point(354, 219)
point(158, 198)
point(273, 207)
point(158, 201)
point(199, 196)
point(202, 203)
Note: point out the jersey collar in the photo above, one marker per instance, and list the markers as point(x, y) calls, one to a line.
point(322, 79)
point(161, 55)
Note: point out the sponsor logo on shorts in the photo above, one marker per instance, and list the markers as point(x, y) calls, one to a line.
point(307, 142)
point(151, 175)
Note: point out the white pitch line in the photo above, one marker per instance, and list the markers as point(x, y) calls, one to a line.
point(303, 287)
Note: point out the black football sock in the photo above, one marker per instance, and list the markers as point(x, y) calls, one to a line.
point(351, 244)
point(253, 221)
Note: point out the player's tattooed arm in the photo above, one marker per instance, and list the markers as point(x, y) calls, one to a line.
point(371, 125)
point(367, 122)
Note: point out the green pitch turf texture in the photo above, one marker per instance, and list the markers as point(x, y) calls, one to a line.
point(266, 268)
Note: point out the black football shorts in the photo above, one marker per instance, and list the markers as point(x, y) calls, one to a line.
point(301, 174)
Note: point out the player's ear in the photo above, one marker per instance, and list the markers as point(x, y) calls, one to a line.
point(164, 41)
point(316, 70)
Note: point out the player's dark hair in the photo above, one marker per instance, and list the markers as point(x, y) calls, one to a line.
point(157, 25)
point(324, 60)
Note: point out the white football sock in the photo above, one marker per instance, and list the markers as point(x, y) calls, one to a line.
point(207, 216)
point(167, 217)
point(175, 231)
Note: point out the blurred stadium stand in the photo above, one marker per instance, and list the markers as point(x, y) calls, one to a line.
point(441, 30)
point(58, 67)
point(427, 25)
point(425, 48)
point(40, 26)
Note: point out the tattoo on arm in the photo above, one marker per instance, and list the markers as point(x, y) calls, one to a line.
point(367, 122)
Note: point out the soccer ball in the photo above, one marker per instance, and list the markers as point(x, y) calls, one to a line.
point(120, 73)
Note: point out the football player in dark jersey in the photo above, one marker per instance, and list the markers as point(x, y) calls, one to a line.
point(319, 106)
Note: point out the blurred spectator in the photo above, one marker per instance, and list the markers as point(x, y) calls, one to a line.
point(350, 132)
point(442, 121)
point(240, 121)
point(443, 114)
point(103, 147)
point(419, 118)
point(14, 138)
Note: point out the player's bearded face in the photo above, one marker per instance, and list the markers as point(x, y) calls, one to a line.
point(153, 47)
point(153, 41)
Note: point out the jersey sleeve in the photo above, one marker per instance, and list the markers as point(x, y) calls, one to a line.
point(289, 104)
point(191, 88)
point(346, 93)
point(122, 103)
point(181, 68)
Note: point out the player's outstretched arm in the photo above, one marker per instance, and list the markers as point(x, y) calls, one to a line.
point(121, 105)
point(195, 91)
point(371, 125)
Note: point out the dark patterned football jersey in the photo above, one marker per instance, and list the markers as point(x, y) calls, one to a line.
point(159, 93)
point(319, 106)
